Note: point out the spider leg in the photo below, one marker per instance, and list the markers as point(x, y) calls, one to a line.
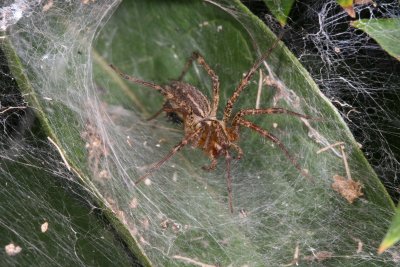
point(135, 80)
point(246, 79)
point(238, 150)
point(214, 78)
point(212, 165)
point(245, 112)
point(155, 114)
point(228, 159)
point(176, 148)
point(166, 108)
point(274, 139)
point(188, 63)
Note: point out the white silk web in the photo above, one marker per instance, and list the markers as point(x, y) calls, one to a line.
point(94, 125)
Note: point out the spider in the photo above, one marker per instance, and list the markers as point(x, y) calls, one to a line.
point(202, 129)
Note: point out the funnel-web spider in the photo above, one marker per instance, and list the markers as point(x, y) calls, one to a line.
point(216, 137)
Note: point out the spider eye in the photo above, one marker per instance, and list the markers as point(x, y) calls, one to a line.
point(174, 117)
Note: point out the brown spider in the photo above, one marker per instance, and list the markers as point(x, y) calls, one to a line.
point(216, 137)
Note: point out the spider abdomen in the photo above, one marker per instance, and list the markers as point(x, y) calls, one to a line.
point(184, 98)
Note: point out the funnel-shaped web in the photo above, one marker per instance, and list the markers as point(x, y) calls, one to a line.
point(59, 54)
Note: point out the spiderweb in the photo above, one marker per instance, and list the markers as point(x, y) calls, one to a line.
point(94, 140)
point(357, 76)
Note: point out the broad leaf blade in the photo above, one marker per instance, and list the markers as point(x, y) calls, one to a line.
point(75, 235)
point(345, 3)
point(46, 81)
point(348, 6)
point(386, 32)
point(393, 234)
point(183, 215)
point(44, 214)
point(280, 9)
point(264, 181)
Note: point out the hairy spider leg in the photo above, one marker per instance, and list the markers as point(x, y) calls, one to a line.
point(244, 112)
point(274, 139)
point(176, 148)
point(238, 150)
point(188, 64)
point(228, 159)
point(212, 165)
point(138, 81)
point(253, 111)
point(155, 115)
point(245, 81)
point(214, 78)
point(166, 107)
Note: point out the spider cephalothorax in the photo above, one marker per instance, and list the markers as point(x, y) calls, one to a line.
point(216, 137)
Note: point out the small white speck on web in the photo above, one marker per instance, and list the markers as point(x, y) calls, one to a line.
point(129, 141)
point(143, 241)
point(12, 250)
point(44, 227)
point(145, 223)
point(205, 23)
point(133, 230)
point(158, 145)
point(275, 125)
point(134, 203)
point(219, 28)
point(147, 181)
point(104, 174)
point(175, 177)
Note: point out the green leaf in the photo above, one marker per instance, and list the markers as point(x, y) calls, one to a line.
point(393, 234)
point(386, 32)
point(280, 9)
point(33, 195)
point(182, 217)
point(345, 3)
point(74, 236)
point(45, 218)
point(347, 6)
point(231, 43)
